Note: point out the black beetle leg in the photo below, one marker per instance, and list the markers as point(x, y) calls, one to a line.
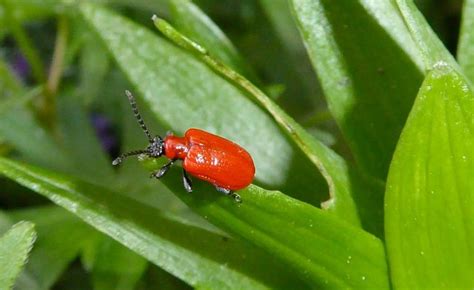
point(229, 193)
point(162, 171)
point(188, 184)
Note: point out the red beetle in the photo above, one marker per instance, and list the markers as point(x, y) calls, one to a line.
point(206, 156)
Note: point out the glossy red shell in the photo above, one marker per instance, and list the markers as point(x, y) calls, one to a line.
point(212, 158)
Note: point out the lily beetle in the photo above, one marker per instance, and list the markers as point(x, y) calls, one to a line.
point(205, 156)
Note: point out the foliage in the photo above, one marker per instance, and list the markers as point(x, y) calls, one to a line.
point(386, 202)
point(15, 245)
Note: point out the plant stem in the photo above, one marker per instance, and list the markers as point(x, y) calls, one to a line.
point(57, 63)
point(47, 104)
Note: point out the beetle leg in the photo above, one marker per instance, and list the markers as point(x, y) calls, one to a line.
point(223, 190)
point(229, 193)
point(162, 171)
point(188, 184)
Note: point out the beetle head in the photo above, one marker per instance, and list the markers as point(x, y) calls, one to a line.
point(155, 146)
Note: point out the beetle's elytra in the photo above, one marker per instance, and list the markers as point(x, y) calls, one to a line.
point(205, 156)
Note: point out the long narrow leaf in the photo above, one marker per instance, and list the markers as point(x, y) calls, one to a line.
point(325, 251)
point(191, 20)
point(177, 248)
point(369, 69)
point(430, 45)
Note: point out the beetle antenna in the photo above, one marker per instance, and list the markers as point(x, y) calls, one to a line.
point(139, 118)
point(119, 159)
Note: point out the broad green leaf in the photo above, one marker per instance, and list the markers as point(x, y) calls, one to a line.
point(14, 248)
point(197, 25)
point(430, 46)
point(183, 93)
point(429, 203)
point(60, 238)
point(326, 251)
point(201, 258)
point(465, 53)
point(369, 69)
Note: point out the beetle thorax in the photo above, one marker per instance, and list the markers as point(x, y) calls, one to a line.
point(176, 147)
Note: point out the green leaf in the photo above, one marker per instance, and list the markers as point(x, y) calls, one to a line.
point(88, 160)
point(465, 53)
point(197, 25)
point(116, 267)
point(279, 14)
point(95, 64)
point(430, 46)
point(9, 83)
point(345, 184)
point(369, 68)
point(430, 189)
point(18, 126)
point(326, 251)
point(192, 254)
point(301, 95)
point(60, 238)
point(156, 276)
point(23, 40)
point(14, 248)
point(24, 279)
point(5, 222)
point(183, 93)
